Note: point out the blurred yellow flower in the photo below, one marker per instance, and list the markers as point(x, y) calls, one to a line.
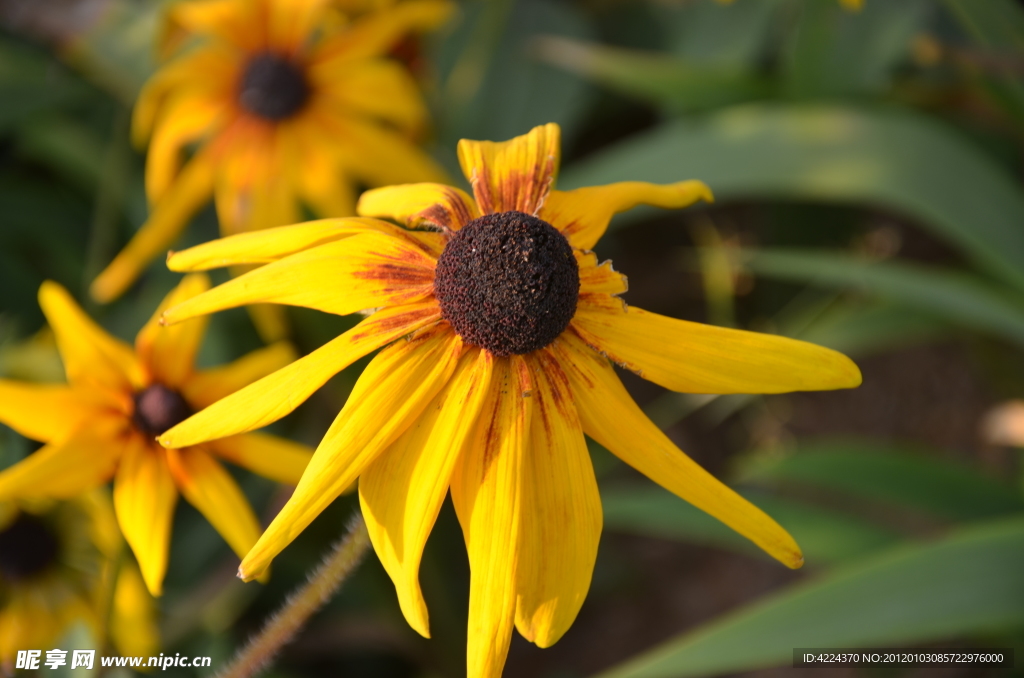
point(283, 107)
point(852, 5)
point(58, 561)
point(512, 327)
point(103, 423)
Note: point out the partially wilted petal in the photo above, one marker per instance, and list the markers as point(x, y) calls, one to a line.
point(513, 175)
point(582, 215)
point(413, 204)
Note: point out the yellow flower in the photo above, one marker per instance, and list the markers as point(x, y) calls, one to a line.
point(512, 327)
point(57, 561)
point(103, 423)
point(282, 112)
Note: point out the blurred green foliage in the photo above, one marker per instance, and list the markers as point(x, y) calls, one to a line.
point(810, 123)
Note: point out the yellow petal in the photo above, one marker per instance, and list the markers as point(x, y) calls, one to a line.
point(438, 205)
point(381, 156)
point(402, 491)
point(513, 175)
point(583, 214)
point(169, 353)
point(66, 468)
point(267, 400)
point(42, 412)
point(377, 33)
point(366, 271)
point(206, 485)
point(230, 20)
point(206, 68)
point(276, 458)
point(92, 358)
point(167, 219)
point(185, 118)
point(560, 515)
point(390, 394)
point(205, 387)
point(487, 493)
point(375, 88)
point(271, 244)
point(697, 358)
point(598, 279)
point(290, 23)
point(144, 499)
point(133, 620)
point(610, 417)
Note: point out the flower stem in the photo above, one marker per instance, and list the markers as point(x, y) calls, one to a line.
point(322, 584)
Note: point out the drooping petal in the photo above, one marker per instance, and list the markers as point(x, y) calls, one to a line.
point(42, 412)
point(402, 490)
point(377, 33)
point(438, 205)
point(167, 219)
point(376, 88)
point(271, 244)
point(487, 493)
point(169, 353)
point(272, 397)
point(279, 459)
point(65, 468)
point(611, 417)
point(133, 619)
point(205, 387)
point(366, 271)
point(582, 215)
point(560, 515)
point(513, 175)
point(206, 485)
point(390, 394)
point(144, 499)
point(92, 358)
point(697, 358)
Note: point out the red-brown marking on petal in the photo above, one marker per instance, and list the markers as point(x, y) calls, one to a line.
point(451, 213)
point(412, 318)
point(481, 182)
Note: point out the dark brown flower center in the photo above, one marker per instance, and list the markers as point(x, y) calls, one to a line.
point(158, 408)
point(272, 87)
point(27, 547)
point(508, 282)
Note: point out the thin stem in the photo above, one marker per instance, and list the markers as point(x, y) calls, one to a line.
point(322, 584)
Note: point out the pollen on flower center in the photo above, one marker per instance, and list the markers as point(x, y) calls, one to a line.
point(158, 408)
point(508, 282)
point(272, 87)
point(27, 547)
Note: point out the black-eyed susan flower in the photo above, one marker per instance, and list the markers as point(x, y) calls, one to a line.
point(59, 566)
point(285, 104)
point(104, 422)
point(511, 328)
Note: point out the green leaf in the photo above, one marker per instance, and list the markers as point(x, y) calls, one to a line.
point(892, 474)
point(824, 536)
point(653, 77)
point(970, 582)
point(998, 26)
point(889, 159)
point(953, 296)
